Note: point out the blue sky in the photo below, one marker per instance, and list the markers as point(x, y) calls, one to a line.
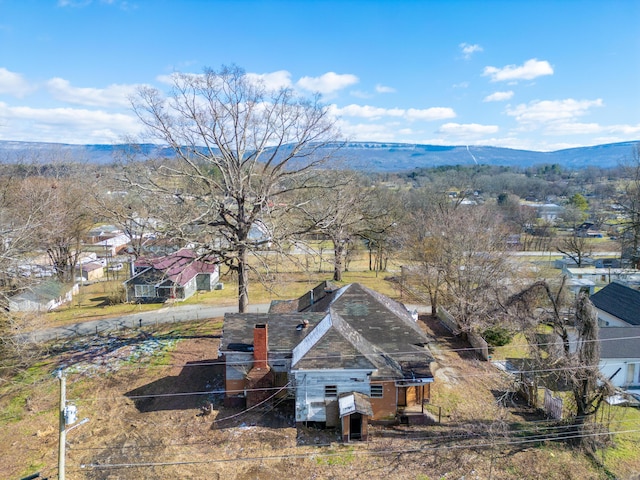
point(538, 75)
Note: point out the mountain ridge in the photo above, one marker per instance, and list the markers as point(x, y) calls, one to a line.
point(371, 156)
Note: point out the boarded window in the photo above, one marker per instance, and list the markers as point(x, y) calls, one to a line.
point(377, 391)
point(330, 391)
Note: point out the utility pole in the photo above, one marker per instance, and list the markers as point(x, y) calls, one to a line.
point(68, 415)
point(63, 424)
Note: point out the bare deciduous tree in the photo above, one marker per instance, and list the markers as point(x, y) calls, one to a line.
point(239, 149)
point(576, 362)
point(344, 209)
point(630, 204)
point(459, 253)
point(577, 247)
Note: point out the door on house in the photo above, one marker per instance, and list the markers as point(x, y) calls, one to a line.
point(355, 426)
point(631, 373)
point(402, 396)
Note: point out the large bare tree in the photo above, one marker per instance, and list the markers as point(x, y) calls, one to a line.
point(458, 256)
point(344, 209)
point(572, 354)
point(239, 148)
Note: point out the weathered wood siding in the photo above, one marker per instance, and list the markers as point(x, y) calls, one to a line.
point(310, 390)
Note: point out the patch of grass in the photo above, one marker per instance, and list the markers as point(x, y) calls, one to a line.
point(623, 455)
point(333, 457)
point(516, 348)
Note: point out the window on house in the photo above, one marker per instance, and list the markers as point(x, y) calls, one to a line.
point(330, 391)
point(145, 291)
point(376, 391)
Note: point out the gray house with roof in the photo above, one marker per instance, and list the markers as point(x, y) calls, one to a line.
point(620, 356)
point(346, 356)
point(618, 305)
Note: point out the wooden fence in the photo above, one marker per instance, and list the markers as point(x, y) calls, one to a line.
point(552, 405)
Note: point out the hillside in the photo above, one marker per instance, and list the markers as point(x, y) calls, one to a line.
point(365, 156)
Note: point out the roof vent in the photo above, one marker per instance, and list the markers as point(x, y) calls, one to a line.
point(303, 325)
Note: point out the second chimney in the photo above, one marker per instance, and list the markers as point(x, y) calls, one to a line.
point(260, 347)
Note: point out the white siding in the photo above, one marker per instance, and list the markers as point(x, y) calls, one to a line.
point(310, 390)
point(629, 374)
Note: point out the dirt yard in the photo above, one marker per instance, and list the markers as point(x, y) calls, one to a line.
point(154, 409)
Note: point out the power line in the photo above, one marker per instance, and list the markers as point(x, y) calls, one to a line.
point(516, 431)
point(423, 449)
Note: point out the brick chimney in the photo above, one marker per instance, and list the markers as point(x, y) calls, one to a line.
point(260, 347)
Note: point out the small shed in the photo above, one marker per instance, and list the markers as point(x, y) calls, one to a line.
point(91, 271)
point(355, 411)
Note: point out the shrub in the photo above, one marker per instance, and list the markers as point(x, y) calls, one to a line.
point(497, 336)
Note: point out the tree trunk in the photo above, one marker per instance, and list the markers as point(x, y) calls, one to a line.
point(338, 248)
point(243, 280)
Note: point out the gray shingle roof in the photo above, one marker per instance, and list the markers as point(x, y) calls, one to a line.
point(619, 342)
point(367, 330)
point(620, 301)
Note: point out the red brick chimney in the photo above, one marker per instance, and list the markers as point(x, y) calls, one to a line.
point(260, 347)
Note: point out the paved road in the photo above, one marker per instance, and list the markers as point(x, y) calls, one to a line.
point(184, 313)
point(173, 314)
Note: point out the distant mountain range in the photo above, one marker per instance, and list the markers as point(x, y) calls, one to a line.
point(367, 156)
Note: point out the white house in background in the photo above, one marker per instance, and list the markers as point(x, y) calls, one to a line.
point(601, 276)
point(620, 356)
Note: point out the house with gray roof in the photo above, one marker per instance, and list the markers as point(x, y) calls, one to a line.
point(346, 356)
point(620, 356)
point(618, 305)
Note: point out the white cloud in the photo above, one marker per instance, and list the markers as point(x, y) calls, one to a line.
point(467, 129)
point(368, 132)
point(384, 89)
point(528, 71)
point(13, 84)
point(273, 80)
point(576, 128)
point(468, 49)
point(544, 111)
point(328, 83)
point(433, 113)
point(113, 95)
point(498, 96)
point(411, 114)
point(65, 125)
point(367, 111)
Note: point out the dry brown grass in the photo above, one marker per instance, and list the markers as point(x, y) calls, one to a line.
point(166, 437)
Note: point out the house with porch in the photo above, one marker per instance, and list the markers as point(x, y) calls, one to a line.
point(346, 357)
point(172, 277)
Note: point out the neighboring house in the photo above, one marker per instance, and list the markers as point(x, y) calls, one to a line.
point(91, 272)
point(173, 277)
point(618, 305)
point(43, 297)
point(548, 212)
point(345, 355)
point(600, 276)
point(620, 356)
point(106, 241)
